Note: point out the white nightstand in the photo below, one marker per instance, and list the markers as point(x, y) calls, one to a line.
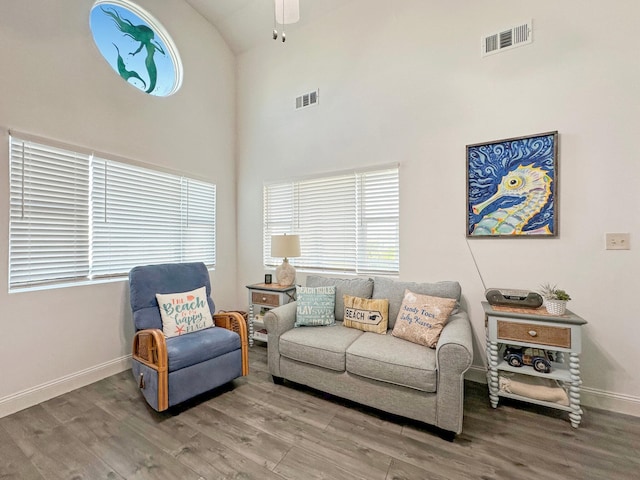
point(560, 334)
point(264, 297)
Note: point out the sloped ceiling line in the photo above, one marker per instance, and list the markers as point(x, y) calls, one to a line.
point(246, 24)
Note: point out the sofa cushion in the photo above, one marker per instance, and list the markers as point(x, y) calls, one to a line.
point(196, 347)
point(321, 346)
point(366, 314)
point(392, 360)
point(394, 291)
point(422, 318)
point(356, 287)
point(315, 306)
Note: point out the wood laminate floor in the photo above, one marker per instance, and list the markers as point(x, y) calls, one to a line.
point(254, 429)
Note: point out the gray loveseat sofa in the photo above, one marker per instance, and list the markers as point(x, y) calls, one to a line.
point(380, 371)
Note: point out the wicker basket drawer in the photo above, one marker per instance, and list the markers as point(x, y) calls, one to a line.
point(532, 333)
point(263, 298)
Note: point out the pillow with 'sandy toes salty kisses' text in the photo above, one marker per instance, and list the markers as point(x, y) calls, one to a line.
point(422, 317)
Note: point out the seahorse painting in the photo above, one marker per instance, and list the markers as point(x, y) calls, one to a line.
point(529, 183)
point(511, 187)
point(144, 35)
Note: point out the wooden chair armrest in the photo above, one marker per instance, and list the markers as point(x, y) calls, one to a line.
point(236, 322)
point(150, 348)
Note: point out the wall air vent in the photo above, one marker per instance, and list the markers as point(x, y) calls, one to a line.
point(308, 99)
point(507, 39)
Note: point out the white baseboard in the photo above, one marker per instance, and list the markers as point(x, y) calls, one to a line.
point(590, 397)
point(46, 391)
point(476, 374)
point(614, 402)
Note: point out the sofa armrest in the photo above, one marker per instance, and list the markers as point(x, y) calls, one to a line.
point(150, 349)
point(235, 322)
point(281, 319)
point(454, 355)
point(454, 351)
point(278, 321)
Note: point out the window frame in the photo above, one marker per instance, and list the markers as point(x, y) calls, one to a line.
point(191, 218)
point(286, 203)
point(157, 28)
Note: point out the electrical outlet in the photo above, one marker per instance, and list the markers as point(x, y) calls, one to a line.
point(617, 241)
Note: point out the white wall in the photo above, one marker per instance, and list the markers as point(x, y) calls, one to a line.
point(55, 84)
point(404, 82)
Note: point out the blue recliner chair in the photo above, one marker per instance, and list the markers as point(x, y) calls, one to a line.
point(172, 370)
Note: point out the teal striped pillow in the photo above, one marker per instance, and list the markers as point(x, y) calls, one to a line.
point(316, 306)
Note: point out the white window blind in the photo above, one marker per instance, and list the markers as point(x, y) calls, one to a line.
point(378, 222)
point(199, 222)
point(146, 216)
point(78, 217)
point(49, 214)
point(346, 223)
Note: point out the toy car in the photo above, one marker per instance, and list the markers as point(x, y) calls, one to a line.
point(536, 357)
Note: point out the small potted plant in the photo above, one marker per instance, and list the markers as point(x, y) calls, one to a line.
point(555, 299)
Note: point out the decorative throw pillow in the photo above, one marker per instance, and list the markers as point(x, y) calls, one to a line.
point(184, 312)
point(394, 291)
point(356, 287)
point(315, 306)
point(366, 315)
point(421, 318)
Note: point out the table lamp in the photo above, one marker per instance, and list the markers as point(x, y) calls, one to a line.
point(287, 246)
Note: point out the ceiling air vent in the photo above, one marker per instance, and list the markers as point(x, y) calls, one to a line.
point(308, 99)
point(507, 39)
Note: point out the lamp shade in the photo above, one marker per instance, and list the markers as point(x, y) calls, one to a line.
point(285, 246)
point(287, 11)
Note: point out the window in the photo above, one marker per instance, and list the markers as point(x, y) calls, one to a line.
point(49, 214)
point(347, 223)
point(75, 216)
point(136, 46)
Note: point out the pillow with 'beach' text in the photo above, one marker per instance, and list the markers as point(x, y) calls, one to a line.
point(184, 312)
point(366, 314)
point(315, 306)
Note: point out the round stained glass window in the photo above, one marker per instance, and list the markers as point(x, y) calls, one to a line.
point(136, 46)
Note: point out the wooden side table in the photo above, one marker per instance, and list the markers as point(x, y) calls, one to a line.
point(535, 328)
point(264, 297)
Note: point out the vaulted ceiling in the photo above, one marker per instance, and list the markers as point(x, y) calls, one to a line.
point(245, 24)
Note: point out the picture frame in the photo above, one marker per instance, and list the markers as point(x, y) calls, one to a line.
point(512, 187)
point(267, 279)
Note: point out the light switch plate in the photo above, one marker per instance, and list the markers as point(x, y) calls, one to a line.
point(617, 241)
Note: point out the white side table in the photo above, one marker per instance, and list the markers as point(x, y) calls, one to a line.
point(535, 328)
point(263, 297)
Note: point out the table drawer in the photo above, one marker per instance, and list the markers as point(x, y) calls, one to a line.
point(532, 333)
point(263, 298)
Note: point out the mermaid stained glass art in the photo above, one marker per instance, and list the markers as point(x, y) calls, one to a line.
point(136, 46)
point(512, 187)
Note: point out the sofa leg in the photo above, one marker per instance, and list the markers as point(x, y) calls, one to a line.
point(277, 380)
point(447, 435)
